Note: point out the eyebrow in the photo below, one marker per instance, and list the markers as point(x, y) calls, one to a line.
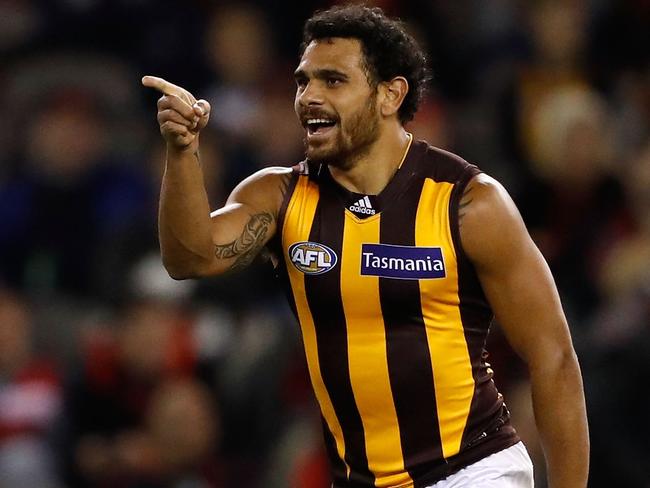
point(321, 74)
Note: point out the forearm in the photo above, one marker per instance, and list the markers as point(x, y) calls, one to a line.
point(560, 414)
point(184, 215)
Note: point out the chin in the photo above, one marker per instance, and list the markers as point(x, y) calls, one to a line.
point(320, 155)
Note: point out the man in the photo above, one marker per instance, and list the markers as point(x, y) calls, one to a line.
point(396, 256)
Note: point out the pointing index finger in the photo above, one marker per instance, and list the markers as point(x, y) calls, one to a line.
point(168, 88)
point(162, 86)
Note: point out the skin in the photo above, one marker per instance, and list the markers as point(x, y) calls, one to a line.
point(353, 136)
point(331, 79)
point(363, 152)
point(522, 293)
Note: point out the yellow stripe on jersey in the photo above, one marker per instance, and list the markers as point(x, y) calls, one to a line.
point(452, 369)
point(367, 357)
point(296, 229)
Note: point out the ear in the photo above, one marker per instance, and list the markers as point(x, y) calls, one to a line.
point(392, 95)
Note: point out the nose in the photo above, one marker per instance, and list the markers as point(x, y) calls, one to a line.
point(310, 94)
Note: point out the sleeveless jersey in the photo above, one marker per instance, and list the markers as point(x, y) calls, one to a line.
point(394, 323)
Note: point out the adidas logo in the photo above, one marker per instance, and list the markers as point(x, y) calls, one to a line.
point(363, 206)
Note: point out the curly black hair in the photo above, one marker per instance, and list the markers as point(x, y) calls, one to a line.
point(388, 49)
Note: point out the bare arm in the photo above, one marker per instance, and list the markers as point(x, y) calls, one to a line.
point(193, 241)
point(523, 295)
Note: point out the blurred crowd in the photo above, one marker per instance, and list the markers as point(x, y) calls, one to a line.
point(114, 375)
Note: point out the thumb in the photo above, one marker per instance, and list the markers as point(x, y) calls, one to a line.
point(202, 109)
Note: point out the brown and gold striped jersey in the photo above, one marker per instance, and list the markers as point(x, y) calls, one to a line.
point(394, 322)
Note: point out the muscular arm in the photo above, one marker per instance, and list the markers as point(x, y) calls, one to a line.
point(522, 293)
point(194, 242)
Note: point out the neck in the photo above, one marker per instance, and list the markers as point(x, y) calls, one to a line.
point(370, 174)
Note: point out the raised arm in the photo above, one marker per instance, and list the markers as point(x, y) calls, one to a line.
point(194, 242)
point(523, 295)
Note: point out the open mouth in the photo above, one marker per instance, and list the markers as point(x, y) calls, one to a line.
point(319, 126)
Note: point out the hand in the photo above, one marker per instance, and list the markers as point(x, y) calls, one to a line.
point(180, 116)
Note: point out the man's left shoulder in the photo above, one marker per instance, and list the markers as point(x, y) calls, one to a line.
point(443, 165)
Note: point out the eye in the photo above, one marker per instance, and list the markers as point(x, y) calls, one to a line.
point(332, 82)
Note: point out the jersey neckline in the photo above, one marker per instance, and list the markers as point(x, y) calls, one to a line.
point(396, 185)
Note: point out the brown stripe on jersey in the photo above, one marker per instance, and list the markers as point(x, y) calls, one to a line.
point(338, 468)
point(409, 360)
point(275, 244)
point(487, 412)
point(326, 305)
point(291, 187)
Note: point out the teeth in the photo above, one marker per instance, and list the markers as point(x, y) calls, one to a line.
point(319, 121)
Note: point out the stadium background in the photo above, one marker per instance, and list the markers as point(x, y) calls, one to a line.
point(113, 375)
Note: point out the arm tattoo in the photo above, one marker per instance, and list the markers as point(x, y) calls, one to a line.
point(465, 200)
point(248, 244)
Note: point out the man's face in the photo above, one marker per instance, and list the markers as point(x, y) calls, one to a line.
point(335, 102)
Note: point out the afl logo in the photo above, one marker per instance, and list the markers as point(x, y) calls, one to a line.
point(312, 258)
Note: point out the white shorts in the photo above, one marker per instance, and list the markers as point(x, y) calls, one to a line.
point(510, 468)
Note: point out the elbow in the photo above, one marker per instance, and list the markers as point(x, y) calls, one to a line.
point(178, 274)
point(179, 271)
point(184, 269)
